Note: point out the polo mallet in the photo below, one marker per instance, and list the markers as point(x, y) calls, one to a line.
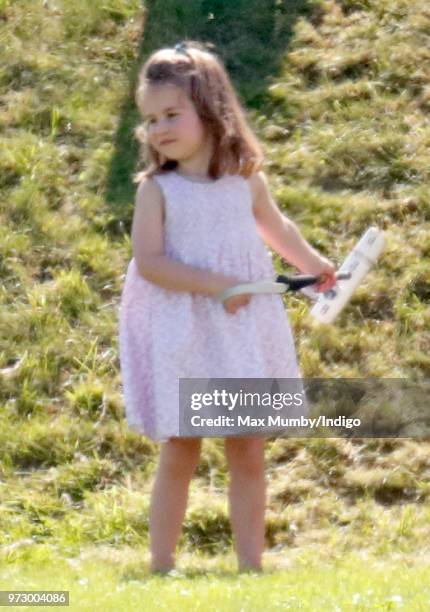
point(328, 304)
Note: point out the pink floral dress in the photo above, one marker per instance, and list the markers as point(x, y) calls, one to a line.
point(165, 335)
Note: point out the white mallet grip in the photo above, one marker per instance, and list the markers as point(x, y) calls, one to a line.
point(268, 286)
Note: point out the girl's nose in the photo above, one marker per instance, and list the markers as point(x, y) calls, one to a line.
point(159, 135)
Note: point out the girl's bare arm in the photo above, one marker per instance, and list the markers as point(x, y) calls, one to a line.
point(278, 231)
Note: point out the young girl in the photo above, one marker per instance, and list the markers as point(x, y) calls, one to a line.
point(202, 212)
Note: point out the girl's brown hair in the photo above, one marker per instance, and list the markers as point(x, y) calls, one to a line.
point(201, 74)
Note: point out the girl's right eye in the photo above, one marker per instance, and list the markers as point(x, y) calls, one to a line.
point(149, 121)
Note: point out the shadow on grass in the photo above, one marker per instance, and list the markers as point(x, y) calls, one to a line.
point(250, 36)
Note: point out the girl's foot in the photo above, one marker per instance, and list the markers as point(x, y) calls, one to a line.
point(162, 568)
point(250, 569)
point(173, 573)
point(159, 572)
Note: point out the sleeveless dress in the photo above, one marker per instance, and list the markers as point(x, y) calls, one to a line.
point(165, 335)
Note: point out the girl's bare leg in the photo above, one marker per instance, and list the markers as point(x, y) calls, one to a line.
point(178, 460)
point(247, 497)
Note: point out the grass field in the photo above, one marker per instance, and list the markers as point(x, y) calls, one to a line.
point(346, 583)
point(340, 100)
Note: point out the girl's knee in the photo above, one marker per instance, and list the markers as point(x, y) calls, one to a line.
point(178, 454)
point(245, 456)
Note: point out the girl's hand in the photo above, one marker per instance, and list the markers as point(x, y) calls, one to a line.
point(233, 303)
point(327, 271)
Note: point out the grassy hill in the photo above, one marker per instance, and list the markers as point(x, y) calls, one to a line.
point(341, 102)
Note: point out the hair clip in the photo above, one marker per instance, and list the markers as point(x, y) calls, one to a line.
point(181, 47)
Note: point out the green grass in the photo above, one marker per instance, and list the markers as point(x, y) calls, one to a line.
point(105, 582)
point(340, 102)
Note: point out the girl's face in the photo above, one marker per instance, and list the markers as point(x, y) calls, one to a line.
point(173, 126)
